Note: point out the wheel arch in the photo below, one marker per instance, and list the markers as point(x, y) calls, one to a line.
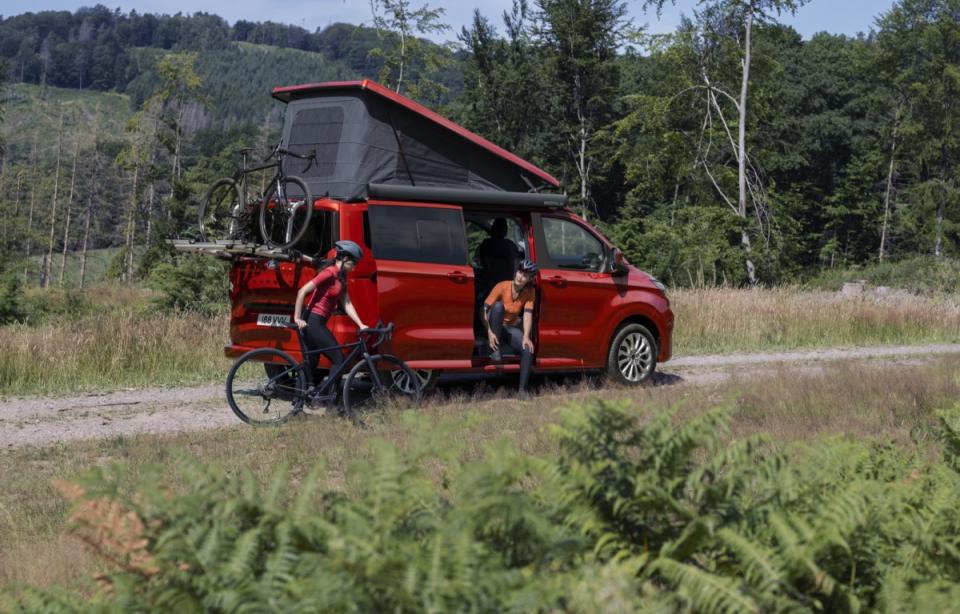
point(636, 318)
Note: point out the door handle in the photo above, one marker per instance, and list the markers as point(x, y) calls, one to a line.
point(457, 276)
point(557, 280)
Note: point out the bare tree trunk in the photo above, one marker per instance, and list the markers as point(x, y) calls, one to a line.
point(131, 225)
point(742, 151)
point(86, 237)
point(150, 212)
point(177, 146)
point(16, 212)
point(889, 188)
point(66, 225)
point(53, 208)
point(89, 214)
point(33, 194)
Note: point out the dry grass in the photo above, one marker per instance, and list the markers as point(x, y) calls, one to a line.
point(112, 347)
point(884, 403)
point(717, 320)
point(111, 339)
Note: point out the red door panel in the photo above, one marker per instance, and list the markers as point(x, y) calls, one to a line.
point(431, 306)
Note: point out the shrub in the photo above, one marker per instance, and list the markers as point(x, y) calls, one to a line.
point(633, 513)
point(192, 283)
point(11, 298)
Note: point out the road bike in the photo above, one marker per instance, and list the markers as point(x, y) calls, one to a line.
point(233, 211)
point(267, 386)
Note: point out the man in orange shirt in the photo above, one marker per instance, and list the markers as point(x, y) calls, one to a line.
point(508, 303)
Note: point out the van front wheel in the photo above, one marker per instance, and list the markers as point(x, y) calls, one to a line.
point(632, 357)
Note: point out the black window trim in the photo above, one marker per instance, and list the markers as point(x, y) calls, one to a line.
point(463, 232)
point(543, 254)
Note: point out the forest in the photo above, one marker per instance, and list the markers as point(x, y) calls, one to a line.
point(731, 151)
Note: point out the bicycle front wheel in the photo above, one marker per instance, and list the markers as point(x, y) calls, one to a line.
point(382, 382)
point(261, 396)
point(285, 212)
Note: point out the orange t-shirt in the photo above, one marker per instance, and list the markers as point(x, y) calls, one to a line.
point(503, 292)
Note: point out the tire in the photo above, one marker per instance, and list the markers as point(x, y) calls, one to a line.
point(632, 357)
point(428, 380)
point(220, 210)
point(284, 218)
point(257, 397)
point(362, 393)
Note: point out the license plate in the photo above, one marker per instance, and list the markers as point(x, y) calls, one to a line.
point(273, 319)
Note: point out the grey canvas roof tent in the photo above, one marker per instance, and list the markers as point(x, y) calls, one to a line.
point(365, 134)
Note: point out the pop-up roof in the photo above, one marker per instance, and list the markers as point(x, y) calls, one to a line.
point(364, 133)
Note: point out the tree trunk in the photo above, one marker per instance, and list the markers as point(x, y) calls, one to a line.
point(86, 226)
point(66, 225)
point(53, 208)
point(16, 212)
point(131, 225)
point(889, 188)
point(742, 151)
point(33, 194)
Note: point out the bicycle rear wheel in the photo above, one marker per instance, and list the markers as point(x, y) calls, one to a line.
point(261, 396)
point(285, 212)
point(390, 382)
point(218, 213)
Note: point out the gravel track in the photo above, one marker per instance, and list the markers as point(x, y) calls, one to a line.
point(37, 421)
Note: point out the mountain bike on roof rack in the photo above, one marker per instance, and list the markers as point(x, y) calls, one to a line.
point(231, 210)
point(267, 386)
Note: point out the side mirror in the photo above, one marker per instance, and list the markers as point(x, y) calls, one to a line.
point(618, 264)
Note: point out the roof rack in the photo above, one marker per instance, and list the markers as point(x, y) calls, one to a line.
point(532, 200)
point(229, 249)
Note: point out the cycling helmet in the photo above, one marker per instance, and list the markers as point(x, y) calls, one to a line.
point(349, 249)
point(528, 266)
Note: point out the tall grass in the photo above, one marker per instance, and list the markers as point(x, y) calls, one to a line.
point(716, 320)
point(108, 337)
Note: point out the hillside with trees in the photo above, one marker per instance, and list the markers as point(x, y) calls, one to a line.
point(730, 151)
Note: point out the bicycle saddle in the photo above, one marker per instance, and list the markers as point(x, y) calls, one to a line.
point(245, 150)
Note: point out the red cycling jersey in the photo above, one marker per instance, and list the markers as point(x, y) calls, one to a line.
point(326, 298)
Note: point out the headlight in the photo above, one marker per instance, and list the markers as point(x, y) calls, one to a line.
point(660, 286)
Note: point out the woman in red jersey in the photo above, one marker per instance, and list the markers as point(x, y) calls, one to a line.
point(329, 290)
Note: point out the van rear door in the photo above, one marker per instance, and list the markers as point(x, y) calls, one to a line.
point(424, 281)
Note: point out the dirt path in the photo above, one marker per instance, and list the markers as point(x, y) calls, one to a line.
point(48, 420)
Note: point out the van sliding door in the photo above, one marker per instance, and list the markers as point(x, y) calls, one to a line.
point(424, 281)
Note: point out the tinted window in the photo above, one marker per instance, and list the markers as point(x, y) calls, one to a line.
point(317, 130)
point(418, 234)
point(570, 246)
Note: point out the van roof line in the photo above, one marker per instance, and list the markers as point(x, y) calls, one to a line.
point(532, 200)
point(286, 93)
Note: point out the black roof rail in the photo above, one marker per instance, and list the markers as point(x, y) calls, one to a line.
point(387, 191)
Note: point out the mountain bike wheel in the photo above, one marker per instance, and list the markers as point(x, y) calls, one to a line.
point(219, 211)
point(285, 212)
point(260, 397)
point(389, 382)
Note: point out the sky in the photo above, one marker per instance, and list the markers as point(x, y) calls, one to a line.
point(835, 16)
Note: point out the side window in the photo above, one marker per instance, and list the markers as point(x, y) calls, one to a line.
point(481, 227)
point(418, 234)
point(570, 246)
point(323, 232)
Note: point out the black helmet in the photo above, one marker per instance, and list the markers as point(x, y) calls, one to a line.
point(348, 249)
point(528, 266)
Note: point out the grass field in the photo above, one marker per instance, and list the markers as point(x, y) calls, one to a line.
point(110, 337)
point(887, 404)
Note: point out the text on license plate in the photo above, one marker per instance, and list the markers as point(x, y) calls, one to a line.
point(273, 319)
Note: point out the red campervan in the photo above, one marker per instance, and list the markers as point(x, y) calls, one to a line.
point(420, 194)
